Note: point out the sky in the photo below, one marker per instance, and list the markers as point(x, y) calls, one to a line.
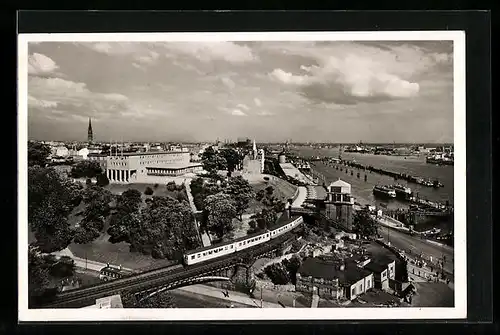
point(331, 91)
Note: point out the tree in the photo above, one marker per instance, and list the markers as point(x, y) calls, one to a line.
point(232, 159)
point(102, 180)
point(148, 191)
point(166, 229)
point(208, 159)
point(162, 299)
point(38, 153)
point(241, 192)
point(171, 186)
point(51, 198)
point(277, 273)
point(364, 224)
point(220, 211)
point(86, 169)
point(62, 267)
point(293, 265)
point(126, 217)
point(38, 274)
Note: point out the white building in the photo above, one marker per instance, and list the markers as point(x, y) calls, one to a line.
point(61, 151)
point(149, 167)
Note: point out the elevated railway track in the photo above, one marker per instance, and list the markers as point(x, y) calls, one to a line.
point(163, 278)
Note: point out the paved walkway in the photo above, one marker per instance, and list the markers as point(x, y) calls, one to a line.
point(205, 239)
point(315, 301)
point(233, 296)
point(301, 197)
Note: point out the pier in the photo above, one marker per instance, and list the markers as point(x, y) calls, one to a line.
point(395, 175)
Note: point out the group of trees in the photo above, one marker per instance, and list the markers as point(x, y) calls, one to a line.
point(97, 209)
point(89, 169)
point(364, 225)
point(221, 202)
point(163, 227)
point(51, 198)
point(227, 159)
point(284, 272)
point(42, 270)
point(38, 153)
point(269, 214)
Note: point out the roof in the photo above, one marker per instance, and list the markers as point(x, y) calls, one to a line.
point(340, 183)
point(154, 153)
point(375, 267)
point(174, 167)
point(329, 269)
point(283, 220)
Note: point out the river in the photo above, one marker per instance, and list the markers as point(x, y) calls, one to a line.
point(363, 191)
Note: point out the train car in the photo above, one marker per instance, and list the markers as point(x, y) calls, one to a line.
point(210, 252)
point(110, 272)
point(214, 251)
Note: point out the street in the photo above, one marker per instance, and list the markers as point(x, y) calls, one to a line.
point(414, 245)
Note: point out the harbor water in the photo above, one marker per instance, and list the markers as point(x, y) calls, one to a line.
point(363, 190)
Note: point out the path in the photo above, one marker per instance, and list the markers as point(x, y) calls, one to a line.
point(315, 301)
point(82, 262)
point(233, 296)
point(301, 197)
point(205, 239)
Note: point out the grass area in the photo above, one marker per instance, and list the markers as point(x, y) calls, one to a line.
point(101, 250)
point(88, 277)
point(161, 190)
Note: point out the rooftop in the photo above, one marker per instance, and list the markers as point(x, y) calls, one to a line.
point(340, 183)
point(330, 269)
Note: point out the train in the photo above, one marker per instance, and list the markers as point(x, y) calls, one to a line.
point(285, 224)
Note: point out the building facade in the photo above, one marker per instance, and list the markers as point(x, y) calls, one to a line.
point(333, 279)
point(149, 167)
point(339, 203)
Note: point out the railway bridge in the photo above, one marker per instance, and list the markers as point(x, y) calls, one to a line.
point(237, 266)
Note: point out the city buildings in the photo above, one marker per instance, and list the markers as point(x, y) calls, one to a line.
point(335, 279)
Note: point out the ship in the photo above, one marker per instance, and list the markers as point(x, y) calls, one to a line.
point(384, 191)
point(439, 160)
point(402, 191)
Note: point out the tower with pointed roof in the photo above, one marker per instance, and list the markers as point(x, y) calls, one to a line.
point(90, 134)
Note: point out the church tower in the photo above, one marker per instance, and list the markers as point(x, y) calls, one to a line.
point(90, 137)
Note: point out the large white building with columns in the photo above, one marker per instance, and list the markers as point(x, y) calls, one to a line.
point(149, 167)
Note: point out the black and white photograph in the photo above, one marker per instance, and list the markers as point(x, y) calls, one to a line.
point(291, 175)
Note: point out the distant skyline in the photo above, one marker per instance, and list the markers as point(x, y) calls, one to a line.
point(341, 92)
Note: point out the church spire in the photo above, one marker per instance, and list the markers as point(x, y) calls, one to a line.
point(90, 137)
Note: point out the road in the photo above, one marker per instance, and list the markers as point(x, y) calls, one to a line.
point(414, 245)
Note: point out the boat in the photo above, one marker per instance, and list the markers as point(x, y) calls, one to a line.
point(384, 191)
point(402, 191)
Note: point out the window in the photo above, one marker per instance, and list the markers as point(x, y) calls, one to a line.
point(353, 291)
point(192, 257)
point(231, 246)
point(198, 256)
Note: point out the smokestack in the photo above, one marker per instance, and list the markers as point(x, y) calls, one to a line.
point(290, 211)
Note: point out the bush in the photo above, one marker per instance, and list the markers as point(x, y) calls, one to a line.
point(88, 181)
point(102, 180)
point(148, 191)
point(171, 186)
point(156, 186)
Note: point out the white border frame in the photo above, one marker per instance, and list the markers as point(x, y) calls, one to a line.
point(188, 314)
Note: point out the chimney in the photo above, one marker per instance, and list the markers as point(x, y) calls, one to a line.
point(120, 266)
point(290, 211)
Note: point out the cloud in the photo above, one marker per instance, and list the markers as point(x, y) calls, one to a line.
point(243, 106)
point(149, 59)
point(348, 81)
point(257, 102)
point(75, 96)
point(264, 113)
point(39, 64)
point(228, 82)
point(34, 102)
point(211, 51)
point(237, 112)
